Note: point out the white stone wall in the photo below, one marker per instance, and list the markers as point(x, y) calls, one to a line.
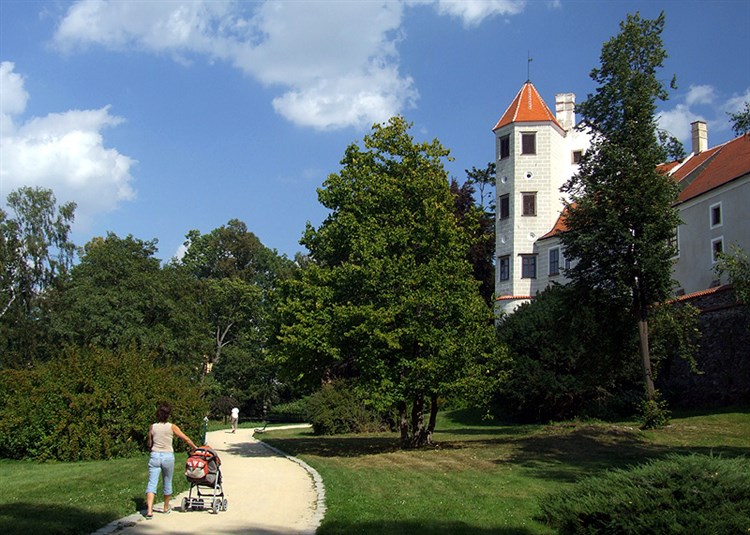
point(693, 270)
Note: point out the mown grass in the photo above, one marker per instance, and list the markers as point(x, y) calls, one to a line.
point(487, 477)
point(480, 478)
point(73, 498)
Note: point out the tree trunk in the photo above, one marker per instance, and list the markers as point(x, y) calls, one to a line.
point(433, 416)
point(645, 353)
point(403, 425)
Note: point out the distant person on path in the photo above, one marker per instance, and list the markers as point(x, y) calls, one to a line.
point(235, 418)
point(161, 461)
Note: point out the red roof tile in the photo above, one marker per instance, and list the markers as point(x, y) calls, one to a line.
point(715, 167)
point(527, 107)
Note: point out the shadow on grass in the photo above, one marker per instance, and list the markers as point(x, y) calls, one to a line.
point(423, 528)
point(336, 446)
point(589, 450)
point(34, 518)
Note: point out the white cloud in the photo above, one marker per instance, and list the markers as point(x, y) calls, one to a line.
point(737, 102)
point(63, 152)
point(473, 12)
point(700, 94)
point(336, 63)
point(701, 103)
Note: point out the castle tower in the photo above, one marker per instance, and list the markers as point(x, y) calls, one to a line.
point(535, 155)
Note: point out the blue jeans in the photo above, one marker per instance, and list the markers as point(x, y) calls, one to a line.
point(160, 463)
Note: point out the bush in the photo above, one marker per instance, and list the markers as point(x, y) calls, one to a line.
point(294, 411)
point(679, 494)
point(653, 413)
point(336, 409)
point(91, 404)
point(573, 354)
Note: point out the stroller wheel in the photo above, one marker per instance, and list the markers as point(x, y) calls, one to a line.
point(185, 505)
point(225, 504)
point(217, 506)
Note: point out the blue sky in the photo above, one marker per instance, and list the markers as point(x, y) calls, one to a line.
point(158, 117)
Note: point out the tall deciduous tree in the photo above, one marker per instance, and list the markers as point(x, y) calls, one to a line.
point(621, 215)
point(741, 120)
point(35, 254)
point(388, 298)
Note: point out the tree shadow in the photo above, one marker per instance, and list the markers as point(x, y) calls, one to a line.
point(336, 446)
point(590, 449)
point(436, 527)
point(23, 518)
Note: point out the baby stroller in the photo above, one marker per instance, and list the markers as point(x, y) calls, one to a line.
point(202, 470)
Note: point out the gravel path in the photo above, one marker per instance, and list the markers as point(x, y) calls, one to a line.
point(267, 491)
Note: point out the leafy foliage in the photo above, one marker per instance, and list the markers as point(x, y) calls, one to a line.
point(118, 294)
point(35, 255)
point(675, 495)
point(336, 408)
point(621, 213)
point(741, 120)
point(388, 297)
point(582, 369)
point(737, 265)
point(91, 404)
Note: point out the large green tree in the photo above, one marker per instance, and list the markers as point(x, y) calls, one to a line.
point(239, 276)
point(621, 215)
point(35, 256)
point(119, 294)
point(388, 298)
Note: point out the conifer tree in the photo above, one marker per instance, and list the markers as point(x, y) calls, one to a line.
point(621, 214)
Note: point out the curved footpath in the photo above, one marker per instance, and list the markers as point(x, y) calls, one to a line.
point(268, 493)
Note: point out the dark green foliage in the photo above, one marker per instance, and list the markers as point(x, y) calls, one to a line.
point(653, 413)
point(676, 495)
point(621, 213)
point(336, 409)
point(571, 354)
point(292, 411)
point(35, 256)
point(741, 120)
point(91, 404)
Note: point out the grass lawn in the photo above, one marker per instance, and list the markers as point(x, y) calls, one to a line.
point(481, 478)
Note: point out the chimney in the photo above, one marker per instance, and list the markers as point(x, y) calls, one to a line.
point(565, 110)
point(700, 136)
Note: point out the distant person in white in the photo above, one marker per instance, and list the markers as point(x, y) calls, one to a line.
point(235, 418)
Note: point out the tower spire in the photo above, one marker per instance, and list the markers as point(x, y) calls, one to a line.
point(529, 59)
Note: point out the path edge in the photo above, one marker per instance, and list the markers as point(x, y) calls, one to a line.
point(320, 502)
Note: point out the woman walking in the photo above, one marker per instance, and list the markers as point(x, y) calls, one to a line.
point(161, 461)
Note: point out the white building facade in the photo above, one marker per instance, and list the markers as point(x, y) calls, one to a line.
point(537, 152)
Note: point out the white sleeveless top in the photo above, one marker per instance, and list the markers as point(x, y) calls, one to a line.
point(161, 437)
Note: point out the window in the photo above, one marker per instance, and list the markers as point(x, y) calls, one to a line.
point(528, 143)
point(715, 213)
point(566, 262)
point(528, 202)
point(528, 266)
point(504, 210)
point(554, 261)
point(717, 246)
point(577, 155)
point(674, 243)
point(504, 147)
point(504, 262)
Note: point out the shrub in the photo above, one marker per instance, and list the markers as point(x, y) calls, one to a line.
point(294, 411)
point(336, 409)
point(91, 404)
point(572, 354)
point(653, 413)
point(678, 494)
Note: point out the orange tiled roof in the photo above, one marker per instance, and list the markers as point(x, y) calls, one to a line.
point(527, 107)
point(714, 167)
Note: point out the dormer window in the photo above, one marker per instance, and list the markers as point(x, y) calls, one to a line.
point(528, 143)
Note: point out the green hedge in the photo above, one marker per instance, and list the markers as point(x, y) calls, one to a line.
point(336, 409)
point(675, 495)
point(91, 404)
